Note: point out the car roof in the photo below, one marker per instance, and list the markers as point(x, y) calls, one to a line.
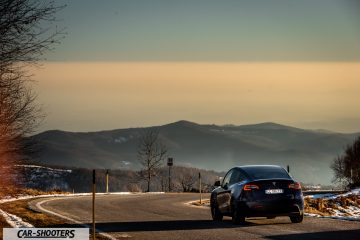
point(244, 167)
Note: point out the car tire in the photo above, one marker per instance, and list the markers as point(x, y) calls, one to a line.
point(237, 218)
point(215, 212)
point(297, 219)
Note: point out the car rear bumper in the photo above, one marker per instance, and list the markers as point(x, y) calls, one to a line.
point(270, 209)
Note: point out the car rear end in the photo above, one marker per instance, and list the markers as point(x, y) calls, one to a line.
point(271, 197)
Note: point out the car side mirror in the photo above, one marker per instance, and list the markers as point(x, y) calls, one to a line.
point(217, 183)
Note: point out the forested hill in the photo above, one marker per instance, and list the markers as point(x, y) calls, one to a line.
point(308, 152)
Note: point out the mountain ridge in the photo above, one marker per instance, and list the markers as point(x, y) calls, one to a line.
point(206, 146)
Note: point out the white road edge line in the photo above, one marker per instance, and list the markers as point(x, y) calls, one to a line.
point(38, 205)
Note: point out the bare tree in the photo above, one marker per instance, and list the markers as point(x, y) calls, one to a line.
point(151, 155)
point(347, 166)
point(24, 37)
point(187, 181)
point(338, 166)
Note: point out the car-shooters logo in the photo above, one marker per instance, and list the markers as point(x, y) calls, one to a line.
point(46, 233)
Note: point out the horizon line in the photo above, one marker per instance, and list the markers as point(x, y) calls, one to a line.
point(204, 124)
point(196, 61)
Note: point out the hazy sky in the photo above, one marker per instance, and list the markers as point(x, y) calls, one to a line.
point(105, 95)
point(210, 30)
point(127, 63)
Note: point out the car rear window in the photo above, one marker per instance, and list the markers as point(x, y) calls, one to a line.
point(266, 173)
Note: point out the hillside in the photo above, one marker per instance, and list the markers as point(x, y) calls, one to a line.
point(308, 152)
point(183, 179)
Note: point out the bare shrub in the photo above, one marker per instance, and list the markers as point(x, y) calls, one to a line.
point(133, 187)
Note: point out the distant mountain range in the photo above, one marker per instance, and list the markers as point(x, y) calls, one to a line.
point(308, 152)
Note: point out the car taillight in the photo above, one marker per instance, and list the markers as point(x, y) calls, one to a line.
point(295, 186)
point(249, 187)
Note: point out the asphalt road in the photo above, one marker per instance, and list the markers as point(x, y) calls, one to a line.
point(165, 216)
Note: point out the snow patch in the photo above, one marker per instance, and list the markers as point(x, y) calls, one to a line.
point(321, 195)
point(45, 178)
point(125, 163)
point(120, 140)
point(343, 206)
point(44, 168)
point(352, 218)
point(14, 221)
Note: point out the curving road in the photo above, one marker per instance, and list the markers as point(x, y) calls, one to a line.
point(165, 216)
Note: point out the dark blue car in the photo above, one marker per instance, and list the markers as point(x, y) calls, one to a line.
point(257, 191)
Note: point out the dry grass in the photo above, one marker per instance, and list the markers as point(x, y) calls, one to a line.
point(316, 206)
point(34, 192)
point(20, 208)
point(326, 207)
point(15, 192)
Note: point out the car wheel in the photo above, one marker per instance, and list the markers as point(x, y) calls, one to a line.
point(215, 212)
point(237, 218)
point(297, 219)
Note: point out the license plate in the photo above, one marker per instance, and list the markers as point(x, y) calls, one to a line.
point(274, 191)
